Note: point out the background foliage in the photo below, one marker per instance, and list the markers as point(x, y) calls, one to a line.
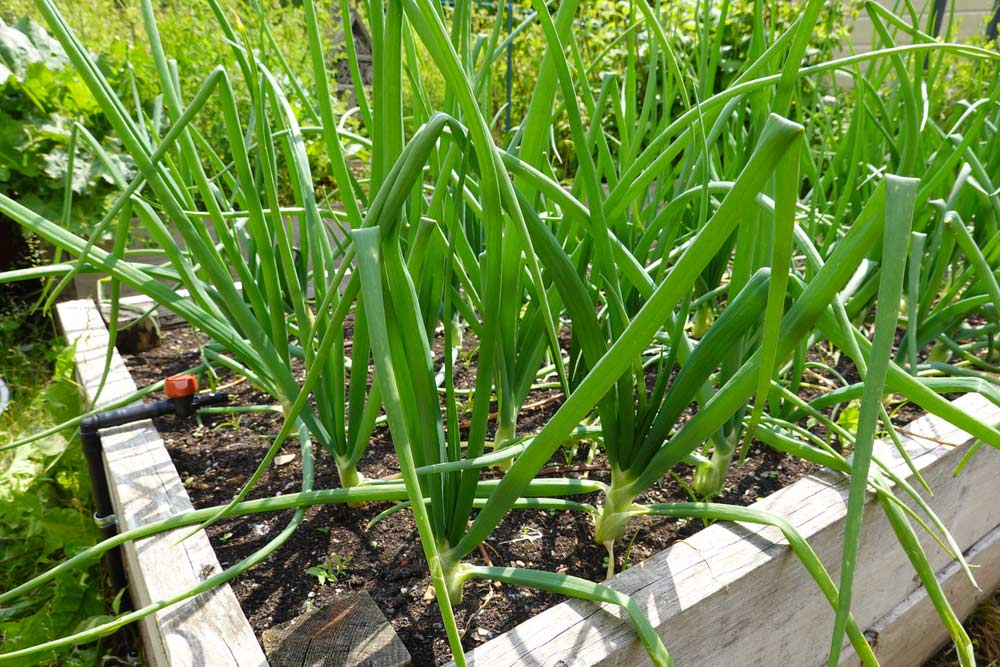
point(42, 517)
point(41, 98)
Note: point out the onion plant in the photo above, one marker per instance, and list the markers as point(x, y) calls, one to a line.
point(710, 240)
point(221, 222)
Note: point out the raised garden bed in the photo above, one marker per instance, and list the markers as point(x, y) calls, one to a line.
point(209, 629)
point(684, 589)
point(689, 256)
point(215, 458)
point(726, 576)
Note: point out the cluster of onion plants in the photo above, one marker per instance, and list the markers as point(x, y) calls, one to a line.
point(710, 239)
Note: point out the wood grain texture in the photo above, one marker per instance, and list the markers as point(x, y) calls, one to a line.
point(207, 630)
point(740, 580)
point(349, 632)
point(734, 594)
point(137, 330)
point(912, 631)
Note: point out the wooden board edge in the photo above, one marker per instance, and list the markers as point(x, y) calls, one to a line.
point(931, 441)
point(82, 326)
point(912, 603)
point(893, 637)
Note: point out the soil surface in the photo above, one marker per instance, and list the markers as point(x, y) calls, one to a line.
point(215, 455)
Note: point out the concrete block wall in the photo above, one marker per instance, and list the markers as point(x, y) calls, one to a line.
point(970, 20)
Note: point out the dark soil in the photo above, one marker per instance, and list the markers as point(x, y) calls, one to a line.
point(215, 458)
point(19, 249)
point(983, 627)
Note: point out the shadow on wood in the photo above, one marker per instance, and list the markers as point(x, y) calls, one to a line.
point(138, 330)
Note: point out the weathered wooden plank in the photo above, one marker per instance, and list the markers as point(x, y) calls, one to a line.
point(351, 631)
point(719, 579)
point(138, 331)
point(734, 593)
point(912, 632)
point(209, 629)
point(169, 318)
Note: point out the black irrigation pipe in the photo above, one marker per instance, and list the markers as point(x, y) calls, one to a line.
point(991, 27)
point(182, 401)
point(940, 6)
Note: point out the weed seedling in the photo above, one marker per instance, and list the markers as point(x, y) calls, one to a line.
point(331, 569)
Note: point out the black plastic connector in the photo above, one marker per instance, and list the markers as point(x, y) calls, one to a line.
point(183, 406)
